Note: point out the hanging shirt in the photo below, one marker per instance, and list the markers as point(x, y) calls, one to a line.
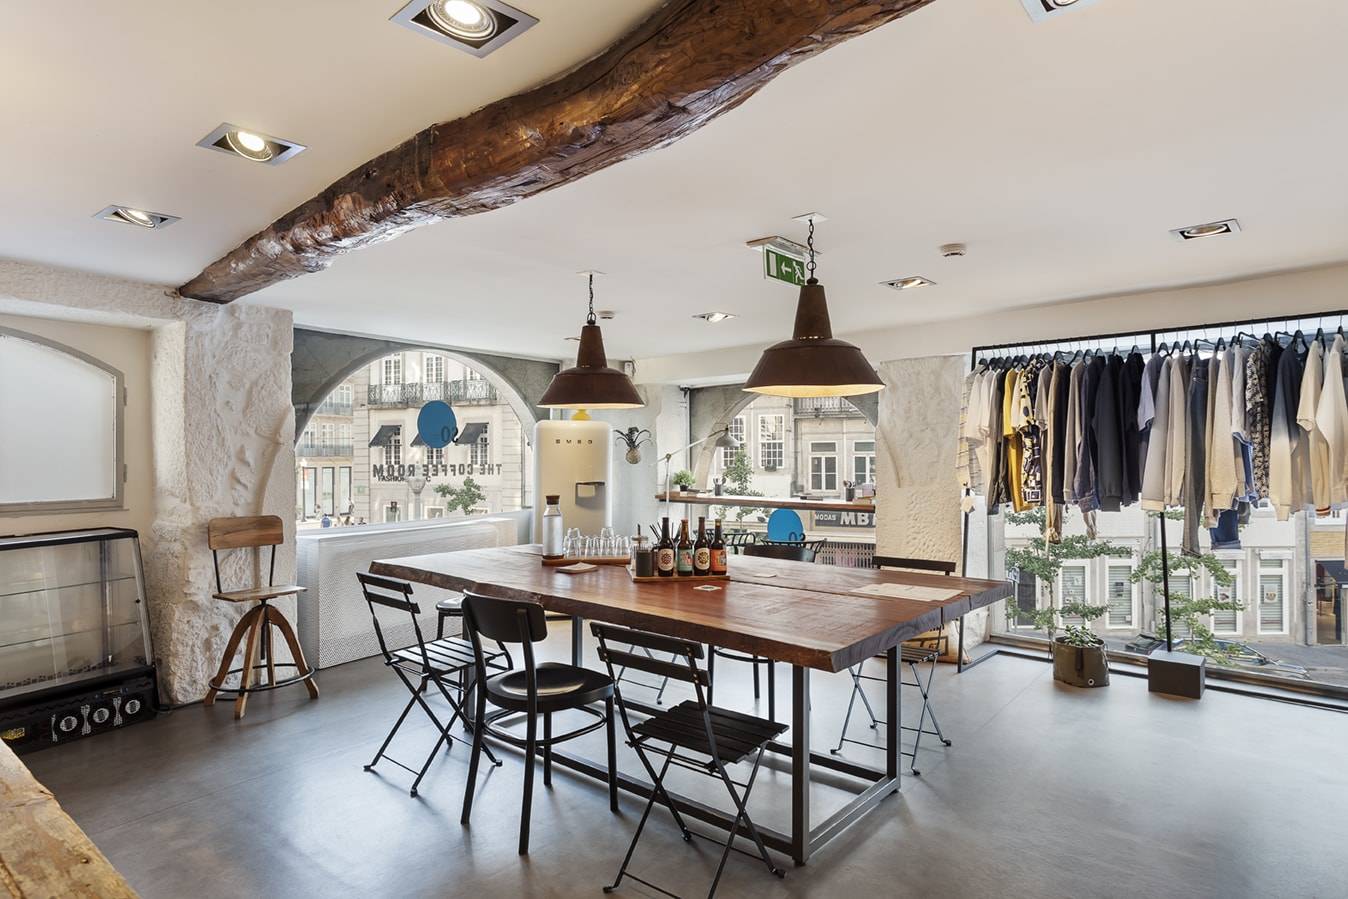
point(1085, 486)
point(1331, 420)
point(1195, 449)
point(1031, 470)
point(1130, 390)
point(1179, 426)
point(1105, 428)
point(1072, 431)
point(1154, 472)
point(1011, 446)
point(966, 458)
point(1289, 451)
point(1312, 383)
point(992, 475)
point(1256, 416)
point(1062, 377)
point(1224, 470)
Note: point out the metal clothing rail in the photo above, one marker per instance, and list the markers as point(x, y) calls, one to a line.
point(1150, 339)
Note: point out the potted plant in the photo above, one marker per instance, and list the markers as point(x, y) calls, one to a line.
point(683, 479)
point(1078, 655)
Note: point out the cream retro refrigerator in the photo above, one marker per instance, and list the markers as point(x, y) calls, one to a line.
point(574, 459)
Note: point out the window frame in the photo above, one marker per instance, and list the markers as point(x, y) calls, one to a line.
point(1285, 573)
point(858, 455)
point(1134, 593)
point(480, 446)
point(395, 442)
point(1237, 564)
point(736, 430)
point(766, 441)
point(395, 361)
point(823, 457)
point(117, 501)
point(426, 368)
point(1086, 591)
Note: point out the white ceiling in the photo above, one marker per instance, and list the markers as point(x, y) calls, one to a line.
point(1061, 152)
point(103, 102)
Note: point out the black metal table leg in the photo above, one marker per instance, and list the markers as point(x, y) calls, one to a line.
point(577, 648)
point(959, 654)
point(800, 764)
point(892, 707)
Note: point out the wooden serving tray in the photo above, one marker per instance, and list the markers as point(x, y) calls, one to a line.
point(602, 560)
point(676, 579)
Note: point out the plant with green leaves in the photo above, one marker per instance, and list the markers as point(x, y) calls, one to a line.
point(739, 477)
point(1045, 560)
point(464, 497)
point(683, 478)
point(1189, 611)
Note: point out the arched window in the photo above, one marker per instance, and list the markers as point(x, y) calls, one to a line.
point(361, 461)
point(62, 414)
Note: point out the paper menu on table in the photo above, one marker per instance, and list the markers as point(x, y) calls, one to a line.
point(909, 591)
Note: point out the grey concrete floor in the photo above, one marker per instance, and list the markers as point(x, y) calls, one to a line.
point(1047, 791)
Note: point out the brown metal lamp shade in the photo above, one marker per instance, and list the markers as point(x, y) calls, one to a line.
point(591, 384)
point(813, 362)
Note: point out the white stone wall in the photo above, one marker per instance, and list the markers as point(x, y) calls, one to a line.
point(223, 443)
point(918, 512)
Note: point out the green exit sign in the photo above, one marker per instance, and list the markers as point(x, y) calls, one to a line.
point(781, 267)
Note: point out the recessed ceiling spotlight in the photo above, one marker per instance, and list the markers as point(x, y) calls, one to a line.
point(1210, 229)
point(712, 318)
point(1043, 9)
point(128, 215)
point(251, 145)
point(908, 283)
point(474, 26)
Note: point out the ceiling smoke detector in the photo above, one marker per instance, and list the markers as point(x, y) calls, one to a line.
point(952, 250)
point(605, 314)
point(1208, 229)
point(478, 27)
point(1040, 10)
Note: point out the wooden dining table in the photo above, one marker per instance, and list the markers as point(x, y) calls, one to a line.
point(809, 616)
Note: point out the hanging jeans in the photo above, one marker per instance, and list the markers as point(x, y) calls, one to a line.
point(1195, 461)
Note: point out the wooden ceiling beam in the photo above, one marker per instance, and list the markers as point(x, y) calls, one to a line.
point(691, 61)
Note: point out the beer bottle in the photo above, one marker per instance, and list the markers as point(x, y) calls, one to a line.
point(702, 550)
point(718, 553)
point(664, 551)
point(683, 557)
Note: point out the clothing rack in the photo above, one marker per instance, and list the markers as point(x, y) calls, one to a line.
point(1149, 341)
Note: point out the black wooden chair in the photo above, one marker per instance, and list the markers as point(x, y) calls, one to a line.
point(443, 662)
point(694, 735)
point(913, 654)
point(537, 689)
point(792, 552)
point(735, 541)
point(452, 607)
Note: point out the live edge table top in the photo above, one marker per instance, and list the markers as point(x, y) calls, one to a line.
point(799, 613)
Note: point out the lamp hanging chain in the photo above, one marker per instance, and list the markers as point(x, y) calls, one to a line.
point(809, 243)
point(589, 319)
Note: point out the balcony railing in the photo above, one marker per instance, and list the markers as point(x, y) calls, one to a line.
point(470, 392)
point(333, 407)
point(825, 406)
point(326, 448)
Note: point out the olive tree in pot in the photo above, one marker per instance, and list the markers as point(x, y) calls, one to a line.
point(1078, 655)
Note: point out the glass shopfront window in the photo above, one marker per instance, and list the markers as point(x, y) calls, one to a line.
point(361, 446)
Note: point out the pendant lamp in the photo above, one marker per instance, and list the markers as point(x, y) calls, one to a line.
point(591, 384)
point(813, 362)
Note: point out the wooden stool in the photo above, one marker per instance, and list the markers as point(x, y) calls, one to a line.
point(257, 622)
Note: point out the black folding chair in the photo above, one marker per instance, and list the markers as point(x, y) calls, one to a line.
point(912, 656)
point(792, 552)
point(693, 726)
point(539, 689)
point(443, 662)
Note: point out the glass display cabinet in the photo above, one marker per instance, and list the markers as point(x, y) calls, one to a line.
point(75, 653)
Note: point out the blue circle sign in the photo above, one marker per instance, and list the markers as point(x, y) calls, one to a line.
point(784, 526)
point(437, 425)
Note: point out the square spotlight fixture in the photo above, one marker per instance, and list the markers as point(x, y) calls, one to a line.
point(129, 215)
point(478, 27)
point(1210, 229)
point(1040, 10)
point(253, 146)
point(712, 318)
point(908, 283)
